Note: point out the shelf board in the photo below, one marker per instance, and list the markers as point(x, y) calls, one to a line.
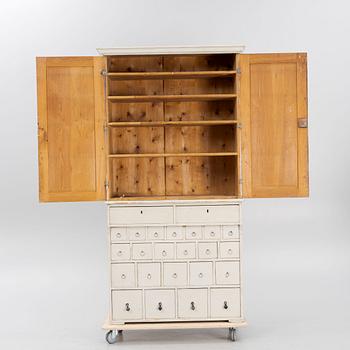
point(161, 155)
point(174, 123)
point(170, 75)
point(167, 197)
point(174, 98)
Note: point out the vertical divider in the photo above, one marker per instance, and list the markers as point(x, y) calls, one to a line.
point(164, 133)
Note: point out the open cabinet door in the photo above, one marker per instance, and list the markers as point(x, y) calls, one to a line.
point(71, 117)
point(273, 113)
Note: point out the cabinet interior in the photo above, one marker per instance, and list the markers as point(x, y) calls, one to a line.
point(172, 127)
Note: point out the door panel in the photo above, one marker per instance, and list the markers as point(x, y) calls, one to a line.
point(273, 97)
point(71, 117)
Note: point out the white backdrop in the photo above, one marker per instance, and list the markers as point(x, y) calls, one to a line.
point(53, 266)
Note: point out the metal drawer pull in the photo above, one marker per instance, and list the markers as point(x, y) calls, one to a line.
point(230, 233)
point(120, 253)
point(212, 233)
point(227, 274)
point(118, 235)
point(193, 234)
point(155, 234)
point(225, 305)
point(207, 252)
point(123, 276)
point(142, 253)
point(200, 275)
point(185, 252)
point(160, 307)
point(137, 234)
point(149, 276)
point(192, 305)
point(175, 275)
point(174, 234)
point(164, 253)
point(127, 307)
point(229, 251)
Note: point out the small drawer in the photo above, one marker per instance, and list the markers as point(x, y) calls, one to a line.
point(229, 250)
point(123, 275)
point(207, 250)
point(201, 273)
point(155, 232)
point(118, 234)
point(193, 232)
point(186, 250)
point(174, 232)
point(140, 215)
point(225, 303)
point(120, 252)
point(164, 251)
point(137, 233)
point(227, 272)
point(160, 304)
point(207, 214)
point(175, 274)
point(142, 251)
point(192, 303)
point(230, 232)
point(127, 305)
point(212, 232)
point(148, 274)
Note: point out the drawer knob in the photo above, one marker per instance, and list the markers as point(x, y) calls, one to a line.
point(225, 305)
point(164, 252)
point(175, 275)
point(207, 252)
point(123, 276)
point(155, 234)
point(229, 251)
point(160, 306)
point(127, 307)
point(185, 252)
point(142, 253)
point(118, 235)
point(212, 233)
point(149, 276)
point(193, 234)
point(120, 253)
point(208, 211)
point(230, 233)
point(227, 274)
point(174, 234)
point(200, 275)
point(137, 234)
point(192, 305)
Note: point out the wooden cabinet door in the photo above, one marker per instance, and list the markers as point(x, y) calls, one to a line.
point(273, 113)
point(71, 117)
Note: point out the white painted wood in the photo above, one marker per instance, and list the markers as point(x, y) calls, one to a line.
point(120, 252)
point(123, 275)
point(148, 274)
point(199, 308)
point(155, 233)
point(212, 232)
point(118, 234)
point(170, 50)
point(225, 303)
point(137, 233)
point(122, 312)
point(186, 250)
point(227, 272)
point(142, 251)
point(160, 304)
point(230, 232)
point(175, 274)
point(207, 250)
point(201, 273)
point(193, 232)
point(229, 250)
point(175, 232)
point(164, 251)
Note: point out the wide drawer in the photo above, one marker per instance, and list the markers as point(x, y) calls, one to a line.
point(192, 303)
point(140, 215)
point(127, 305)
point(160, 304)
point(187, 214)
point(225, 303)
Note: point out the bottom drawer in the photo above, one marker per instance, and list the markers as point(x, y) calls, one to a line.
point(160, 304)
point(192, 303)
point(126, 305)
point(225, 303)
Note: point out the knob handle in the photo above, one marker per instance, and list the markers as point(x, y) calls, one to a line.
point(119, 234)
point(137, 234)
point(127, 307)
point(193, 234)
point(123, 276)
point(207, 251)
point(142, 253)
point(164, 253)
point(149, 276)
point(155, 234)
point(160, 306)
point(225, 305)
point(174, 275)
point(192, 305)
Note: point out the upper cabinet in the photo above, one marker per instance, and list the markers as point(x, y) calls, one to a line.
point(71, 117)
point(191, 125)
point(273, 112)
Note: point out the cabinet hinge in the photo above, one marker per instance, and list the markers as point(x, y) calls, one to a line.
point(106, 185)
point(238, 70)
point(104, 72)
point(239, 125)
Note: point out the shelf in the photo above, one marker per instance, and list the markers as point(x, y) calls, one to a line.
point(170, 75)
point(166, 197)
point(174, 123)
point(174, 98)
point(161, 155)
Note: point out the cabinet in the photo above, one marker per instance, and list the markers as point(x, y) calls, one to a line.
point(172, 139)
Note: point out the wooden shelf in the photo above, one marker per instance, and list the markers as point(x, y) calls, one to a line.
point(166, 197)
point(174, 123)
point(170, 75)
point(161, 98)
point(161, 155)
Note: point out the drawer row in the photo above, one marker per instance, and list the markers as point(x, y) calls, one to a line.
point(177, 250)
point(175, 274)
point(178, 214)
point(171, 304)
point(174, 232)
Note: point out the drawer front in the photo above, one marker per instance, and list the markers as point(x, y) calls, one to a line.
point(137, 233)
point(207, 214)
point(142, 251)
point(148, 274)
point(120, 252)
point(230, 232)
point(174, 232)
point(127, 305)
point(175, 274)
point(229, 250)
point(155, 232)
point(192, 303)
point(227, 272)
point(123, 275)
point(207, 250)
point(201, 273)
point(118, 234)
point(193, 232)
point(225, 303)
point(164, 251)
point(212, 232)
point(160, 304)
point(141, 215)
point(186, 250)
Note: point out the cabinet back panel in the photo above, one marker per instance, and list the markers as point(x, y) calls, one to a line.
point(136, 112)
point(193, 176)
point(135, 87)
point(200, 139)
point(135, 63)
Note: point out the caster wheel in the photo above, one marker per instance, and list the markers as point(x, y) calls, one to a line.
point(111, 337)
point(232, 334)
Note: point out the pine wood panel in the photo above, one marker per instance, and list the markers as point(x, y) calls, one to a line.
point(71, 114)
point(135, 87)
point(135, 63)
point(135, 112)
point(273, 96)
